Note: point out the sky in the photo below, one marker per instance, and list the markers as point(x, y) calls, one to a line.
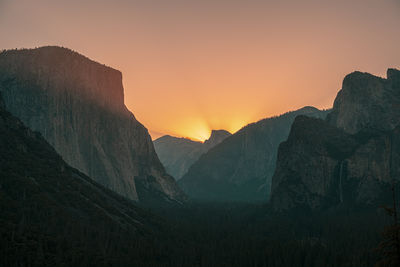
point(191, 66)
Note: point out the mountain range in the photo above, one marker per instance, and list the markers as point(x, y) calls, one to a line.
point(240, 168)
point(178, 154)
point(76, 169)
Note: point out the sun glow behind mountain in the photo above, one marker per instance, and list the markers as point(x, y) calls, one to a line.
point(198, 129)
point(192, 66)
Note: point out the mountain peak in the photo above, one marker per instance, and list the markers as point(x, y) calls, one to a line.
point(393, 74)
point(360, 80)
point(241, 167)
point(352, 143)
point(68, 72)
point(174, 139)
point(308, 109)
point(367, 102)
point(177, 154)
point(77, 105)
point(216, 137)
point(53, 51)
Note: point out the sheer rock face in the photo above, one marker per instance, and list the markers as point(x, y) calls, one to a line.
point(36, 181)
point(351, 157)
point(240, 168)
point(367, 102)
point(78, 106)
point(178, 154)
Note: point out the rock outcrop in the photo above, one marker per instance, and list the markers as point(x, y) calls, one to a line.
point(349, 159)
point(178, 154)
point(216, 137)
point(241, 167)
point(78, 106)
point(367, 102)
point(48, 207)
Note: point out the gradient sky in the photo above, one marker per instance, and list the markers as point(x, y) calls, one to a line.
point(192, 66)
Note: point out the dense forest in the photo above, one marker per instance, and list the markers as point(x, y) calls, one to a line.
point(249, 235)
point(200, 235)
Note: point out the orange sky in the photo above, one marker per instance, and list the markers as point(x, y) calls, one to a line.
point(191, 66)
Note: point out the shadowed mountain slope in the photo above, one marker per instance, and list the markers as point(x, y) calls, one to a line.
point(78, 107)
point(178, 154)
point(352, 158)
point(241, 167)
point(52, 214)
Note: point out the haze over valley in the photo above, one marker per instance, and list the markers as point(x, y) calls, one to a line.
point(188, 133)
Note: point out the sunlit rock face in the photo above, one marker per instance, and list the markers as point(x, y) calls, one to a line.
point(351, 158)
point(178, 154)
point(78, 106)
point(240, 168)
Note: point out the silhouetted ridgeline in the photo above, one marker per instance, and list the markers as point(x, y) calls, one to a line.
point(53, 215)
point(78, 107)
point(240, 168)
point(352, 158)
point(178, 154)
point(331, 175)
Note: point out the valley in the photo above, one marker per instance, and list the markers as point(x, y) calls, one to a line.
point(82, 183)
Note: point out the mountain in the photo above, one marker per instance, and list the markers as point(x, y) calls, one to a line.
point(78, 106)
point(216, 137)
point(52, 214)
point(241, 167)
point(178, 154)
point(367, 102)
point(352, 157)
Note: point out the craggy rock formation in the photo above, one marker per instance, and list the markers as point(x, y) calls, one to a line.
point(47, 207)
point(216, 137)
point(78, 106)
point(178, 154)
point(367, 102)
point(352, 157)
point(241, 167)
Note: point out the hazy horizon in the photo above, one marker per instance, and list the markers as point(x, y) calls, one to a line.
point(189, 67)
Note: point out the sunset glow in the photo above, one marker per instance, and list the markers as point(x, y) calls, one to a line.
point(193, 66)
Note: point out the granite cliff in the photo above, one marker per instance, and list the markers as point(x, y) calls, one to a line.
point(50, 213)
point(352, 157)
point(216, 137)
point(367, 102)
point(240, 168)
point(78, 106)
point(178, 154)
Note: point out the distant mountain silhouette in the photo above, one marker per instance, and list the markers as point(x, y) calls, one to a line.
point(216, 137)
point(241, 167)
point(78, 107)
point(348, 159)
point(178, 154)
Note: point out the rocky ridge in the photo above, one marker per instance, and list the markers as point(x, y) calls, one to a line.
point(78, 106)
point(352, 157)
point(240, 168)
